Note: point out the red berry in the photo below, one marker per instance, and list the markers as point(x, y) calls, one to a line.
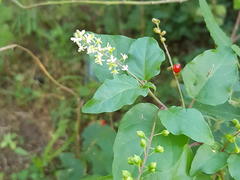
point(177, 68)
point(103, 122)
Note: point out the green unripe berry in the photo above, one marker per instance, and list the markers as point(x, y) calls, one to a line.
point(237, 150)
point(237, 126)
point(165, 132)
point(137, 160)
point(126, 175)
point(235, 122)
point(159, 149)
point(143, 143)
point(230, 138)
point(131, 161)
point(152, 167)
point(141, 134)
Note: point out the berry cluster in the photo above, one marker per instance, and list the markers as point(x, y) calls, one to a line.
point(136, 160)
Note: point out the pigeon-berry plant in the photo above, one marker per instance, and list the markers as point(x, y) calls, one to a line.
point(197, 139)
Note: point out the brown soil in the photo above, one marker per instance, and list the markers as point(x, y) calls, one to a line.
point(34, 130)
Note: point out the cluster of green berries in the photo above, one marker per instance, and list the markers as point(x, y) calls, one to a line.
point(232, 137)
point(137, 160)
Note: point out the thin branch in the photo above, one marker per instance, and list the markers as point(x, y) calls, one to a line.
point(191, 103)
point(195, 144)
point(54, 81)
point(234, 35)
point(176, 78)
point(137, 3)
point(146, 152)
point(150, 92)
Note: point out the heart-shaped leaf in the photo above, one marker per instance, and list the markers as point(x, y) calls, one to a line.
point(233, 166)
point(114, 94)
point(189, 122)
point(217, 34)
point(145, 58)
point(210, 77)
point(208, 160)
point(142, 117)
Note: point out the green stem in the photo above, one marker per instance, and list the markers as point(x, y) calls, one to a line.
point(150, 92)
point(178, 84)
point(146, 153)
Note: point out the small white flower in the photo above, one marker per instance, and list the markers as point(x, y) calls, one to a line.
point(75, 40)
point(98, 58)
point(98, 41)
point(112, 59)
point(124, 56)
point(81, 48)
point(79, 34)
point(90, 49)
point(114, 71)
point(109, 48)
point(89, 38)
point(125, 67)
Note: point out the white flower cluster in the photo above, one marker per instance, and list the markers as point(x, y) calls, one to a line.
point(93, 45)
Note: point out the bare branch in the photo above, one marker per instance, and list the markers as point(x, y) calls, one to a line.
point(137, 3)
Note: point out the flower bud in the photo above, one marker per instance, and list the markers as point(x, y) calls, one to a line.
point(126, 175)
point(165, 132)
point(237, 126)
point(237, 150)
point(230, 138)
point(159, 149)
point(143, 143)
point(235, 122)
point(141, 134)
point(137, 160)
point(163, 33)
point(163, 39)
point(156, 21)
point(152, 167)
point(131, 161)
point(157, 30)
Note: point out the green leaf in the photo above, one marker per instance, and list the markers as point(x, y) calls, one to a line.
point(122, 45)
point(236, 49)
point(233, 166)
point(225, 111)
point(74, 168)
point(179, 171)
point(217, 34)
point(6, 33)
point(145, 57)
point(209, 78)
point(236, 4)
point(142, 117)
point(189, 122)
point(114, 94)
point(98, 148)
point(208, 160)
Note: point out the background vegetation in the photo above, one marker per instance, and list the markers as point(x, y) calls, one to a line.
point(39, 122)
